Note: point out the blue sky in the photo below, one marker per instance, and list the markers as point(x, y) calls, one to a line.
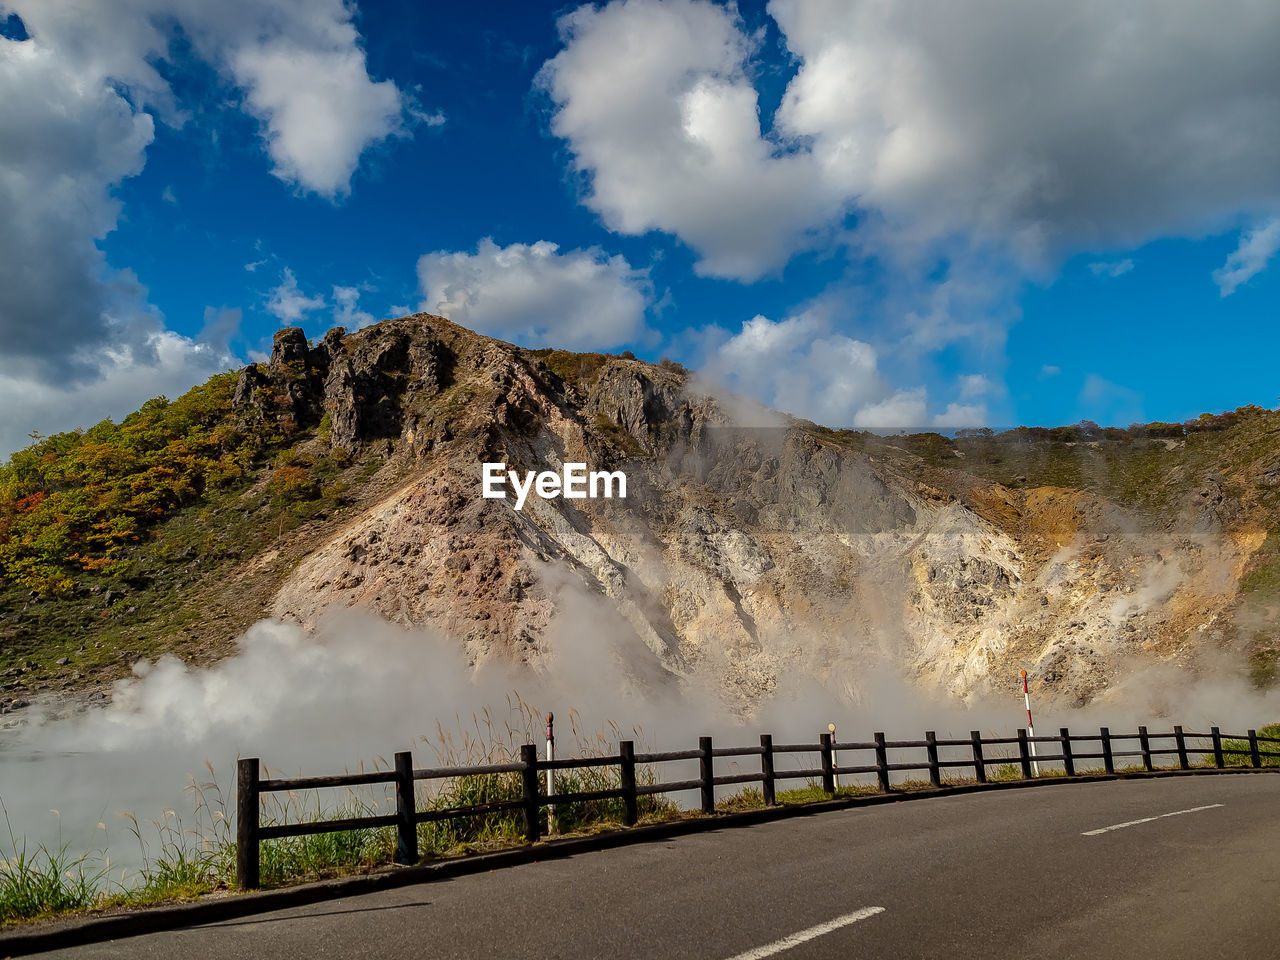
point(869, 216)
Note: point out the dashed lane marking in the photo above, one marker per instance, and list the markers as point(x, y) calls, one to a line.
point(804, 936)
point(1134, 823)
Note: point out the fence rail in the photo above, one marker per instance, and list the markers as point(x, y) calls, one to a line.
point(250, 831)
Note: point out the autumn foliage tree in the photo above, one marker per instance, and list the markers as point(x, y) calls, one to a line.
point(75, 501)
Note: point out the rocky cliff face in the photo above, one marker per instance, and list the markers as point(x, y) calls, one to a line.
point(740, 552)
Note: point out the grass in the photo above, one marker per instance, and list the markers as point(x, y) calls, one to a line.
point(288, 860)
point(1268, 752)
point(45, 883)
point(175, 590)
point(195, 861)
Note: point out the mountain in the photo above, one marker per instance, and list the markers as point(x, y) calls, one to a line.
point(348, 473)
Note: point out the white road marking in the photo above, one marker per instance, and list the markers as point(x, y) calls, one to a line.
point(1134, 823)
point(804, 936)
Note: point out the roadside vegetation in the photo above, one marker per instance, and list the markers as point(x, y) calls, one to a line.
point(116, 542)
point(1269, 753)
point(180, 863)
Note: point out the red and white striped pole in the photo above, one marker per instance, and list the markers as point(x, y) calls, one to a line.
point(835, 763)
point(1031, 727)
point(551, 755)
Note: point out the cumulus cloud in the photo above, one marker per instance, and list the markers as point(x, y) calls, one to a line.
point(970, 410)
point(534, 294)
point(63, 143)
point(1036, 131)
point(962, 415)
point(1041, 128)
point(288, 304)
point(317, 105)
point(82, 97)
point(298, 63)
point(902, 410)
point(1256, 249)
point(165, 363)
point(659, 112)
point(800, 366)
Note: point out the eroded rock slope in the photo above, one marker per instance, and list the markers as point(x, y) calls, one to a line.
point(744, 548)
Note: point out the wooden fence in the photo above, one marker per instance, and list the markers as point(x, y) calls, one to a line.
point(831, 757)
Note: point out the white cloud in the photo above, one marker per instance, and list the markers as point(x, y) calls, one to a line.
point(299, 64)
point(903, 410)
point(81, 99)
point(65, 141)
point(346, 309)
point(970, 410)
point(1257, 247)
point(318, 107)
point(795, 366)
point(1041, 128)
point(535, 295)
point(1049, 370)
point(288, 304)
point(1111, 268)
point(168, 364)
point(799, 366)
point(962, 415)
point(658, 109)
point(974, 385)
point(1033, 130)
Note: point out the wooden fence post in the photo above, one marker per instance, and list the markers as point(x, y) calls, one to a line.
point(931, 747)
point(1181, 740)
point(708, 777)
point(1024, 753)
point(1068, 759)
point(1218, 760)
point(627, 780)
point(529, 780)
point(1145, 743)
point(979, 762)
point(247, 817)
point(882, 764)
point(406, 807)
point(766, 768)
point(1108, 761)
point(1254, 755)
point(828, 765)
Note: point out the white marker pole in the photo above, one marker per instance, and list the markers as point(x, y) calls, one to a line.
point(551, 755)
point(835, 767)
point(1031, 728)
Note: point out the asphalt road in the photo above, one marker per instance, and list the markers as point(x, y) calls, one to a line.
point(1021, 873)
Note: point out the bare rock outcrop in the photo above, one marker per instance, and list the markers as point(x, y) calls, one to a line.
point(739, 552)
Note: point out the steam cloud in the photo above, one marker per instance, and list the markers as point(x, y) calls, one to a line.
point(359, 688)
